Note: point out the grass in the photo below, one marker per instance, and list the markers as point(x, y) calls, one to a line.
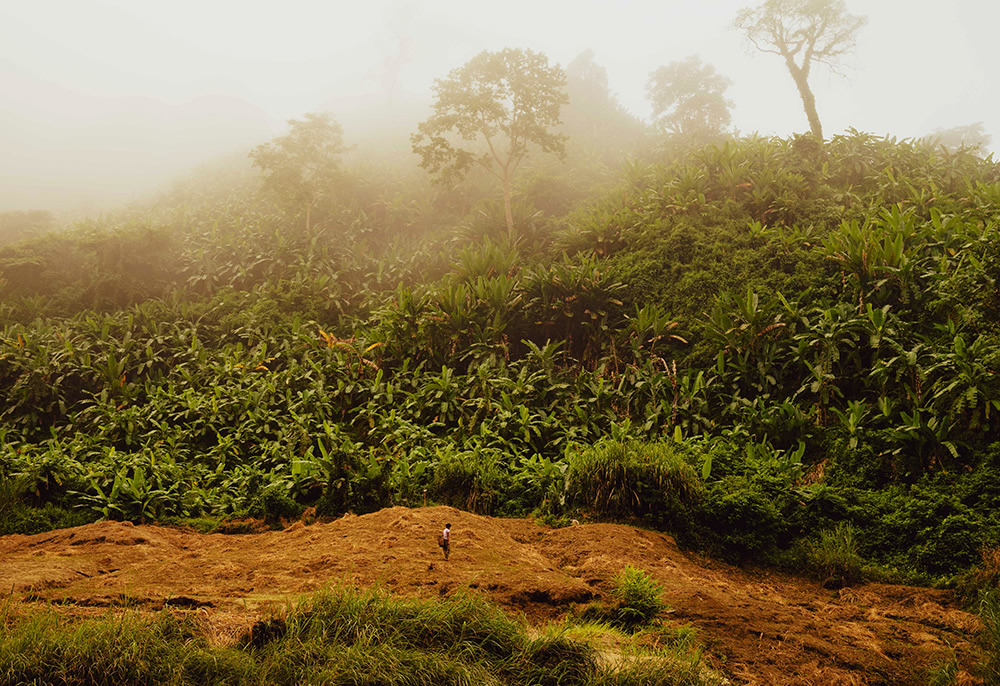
point(638, 601)
point(631, 477)
point(662, 654)
point(989, 613)
point(337, 636)
point(835, 559)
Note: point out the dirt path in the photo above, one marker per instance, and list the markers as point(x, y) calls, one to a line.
point(762, 628)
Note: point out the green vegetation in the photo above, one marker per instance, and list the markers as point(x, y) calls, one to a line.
point(989, 612)
point(745, 344)
point(835, 556)
point(638, 602)
point(337, 636)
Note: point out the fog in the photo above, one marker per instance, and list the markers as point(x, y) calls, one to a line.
point(102, 101)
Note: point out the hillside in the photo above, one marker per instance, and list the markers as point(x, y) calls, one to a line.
point(758, 627)
point(781, 353)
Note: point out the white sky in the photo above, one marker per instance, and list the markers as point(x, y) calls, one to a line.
point(109, 96)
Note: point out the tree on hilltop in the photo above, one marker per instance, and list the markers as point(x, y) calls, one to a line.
point(488, 112)
point(803, 32)
point(594, 118)
point(303, 167)
point(689, 98)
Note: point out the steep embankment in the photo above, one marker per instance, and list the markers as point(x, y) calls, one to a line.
point(764, 628)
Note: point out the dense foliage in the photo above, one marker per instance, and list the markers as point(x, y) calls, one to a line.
point(745, 344)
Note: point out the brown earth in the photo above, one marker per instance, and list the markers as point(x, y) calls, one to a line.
point(758, 627)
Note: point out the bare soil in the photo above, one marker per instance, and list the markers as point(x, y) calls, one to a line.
point(758, 627)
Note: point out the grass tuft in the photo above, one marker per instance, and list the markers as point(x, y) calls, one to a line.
point(835, 557)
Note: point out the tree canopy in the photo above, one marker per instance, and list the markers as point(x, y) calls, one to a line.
point(802, 32)
point(302, 167)
point(594, 119)
point(688, 98)
point(488, 112)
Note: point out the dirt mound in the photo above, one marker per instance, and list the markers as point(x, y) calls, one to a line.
point(764, 628)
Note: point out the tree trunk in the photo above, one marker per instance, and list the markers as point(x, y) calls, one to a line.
point(508, 212)
point(801, 78)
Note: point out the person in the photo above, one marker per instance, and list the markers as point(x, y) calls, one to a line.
point(446, 537)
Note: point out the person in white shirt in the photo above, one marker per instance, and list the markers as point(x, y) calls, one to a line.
point(446, 536)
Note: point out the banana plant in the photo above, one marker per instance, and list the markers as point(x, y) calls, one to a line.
point(962, 385)
point(922, 438)
point(784, 463)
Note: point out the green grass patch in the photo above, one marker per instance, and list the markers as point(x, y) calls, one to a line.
point(337, 636)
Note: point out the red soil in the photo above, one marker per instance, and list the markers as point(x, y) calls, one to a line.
point(758, 627)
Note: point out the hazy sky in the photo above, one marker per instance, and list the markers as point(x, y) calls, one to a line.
point(106, 97)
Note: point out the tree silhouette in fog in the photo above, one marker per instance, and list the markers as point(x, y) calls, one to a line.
point(302, 167)
point(689, 98)
point(488, 112)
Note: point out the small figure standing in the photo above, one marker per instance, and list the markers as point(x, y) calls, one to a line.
point(446, 537)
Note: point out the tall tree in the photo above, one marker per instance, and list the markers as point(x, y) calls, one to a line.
point(488, 112)
point(689, 98)
point(303, 167)
point(803, 32)
point(594, 118)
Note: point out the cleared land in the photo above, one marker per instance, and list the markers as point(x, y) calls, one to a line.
point(760, 628)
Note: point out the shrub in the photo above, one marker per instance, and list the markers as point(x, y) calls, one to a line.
point(866, 465)
point(628, 477)
point(23, 519)
point(639, 597)
point(638, 601)
point(835, 559)
point(273, 504)
point(470, 480)
point(923, 526)
point(18, 517)
point(739, 521)
point(952, 545)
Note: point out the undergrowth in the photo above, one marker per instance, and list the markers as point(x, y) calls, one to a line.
point(337, 636)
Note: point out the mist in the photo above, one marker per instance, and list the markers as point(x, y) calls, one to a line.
point(103, 102)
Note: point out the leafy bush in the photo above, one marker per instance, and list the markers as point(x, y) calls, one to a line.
point(24, 519)
point(639, 597)
point(273, 505)
point(952, 545)
point(738, 520)
point(924, 526)
point(468, 479)
point(866, 465)
point(19, 517)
